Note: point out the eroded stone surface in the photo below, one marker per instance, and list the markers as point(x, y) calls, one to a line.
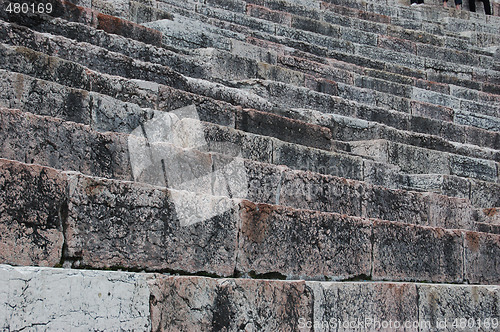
point(482, 258)
point(364, 306)
point(130, 225)
point(202, 304)
point(303, 243)
point(408, 252)
point(459, 304)
point(59, 299)
point(33, 208)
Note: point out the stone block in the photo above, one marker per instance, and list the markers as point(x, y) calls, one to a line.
point(431, 111)
point(302, 243)
point(137, 226)
point(59, 299)
point(204, 304)
point(442, 306)
point(238, 178)
point(285, 129)
point(413, 159)
point(382, 174)
point(394, 205)
point(33, 208)
point(207, 109)
point(44, 98)
point(309, 159)
point(448, 185)
point(481, 258)
point(363, 306)
point(235, 143)
point(306, 190)
point(63, 145)
point(472, 167)
point(449, 212)
point(407, 252)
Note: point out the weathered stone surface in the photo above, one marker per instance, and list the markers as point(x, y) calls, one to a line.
point(448, 185)
point(407, 207)
point(448, 212)
point(407, 252)
point(33, 208)
point(471, 308)
point(315, 160)
point(284, 129)
point(302, 243)
point(59, 299)
point(482, 252)
point(363, 306)
point(470, 167)
point(121, 224)
point(203, 304)
point(232, 142)
point(485, 194)
point(305, 190)
point(63, 145)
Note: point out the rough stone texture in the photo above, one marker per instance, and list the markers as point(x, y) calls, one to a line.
point(482, 255)
point(38, 299)
point(137, 226)
point(443, 305)
point(303, 244)
point(449, 212)
point(32, 139)
point(407, 252)
point(319, 161)
point(306, 190)
point(33, 206)
point(341, 306)
point(381, 203)
point(202, 304)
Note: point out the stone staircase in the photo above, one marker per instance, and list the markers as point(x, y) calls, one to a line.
point(258, 165)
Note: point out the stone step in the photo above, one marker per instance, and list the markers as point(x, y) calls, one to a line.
point(373, 83)
point(160, 74)
point(480, 193)
point(350, 129)
point(432, 13)
point(384, 108)
point(373, 22)
point(257, 69)
point(200, 87)
point(71, 12)
point(414, 160)
point(330, 23)
point(330, 47)
point(148, 160)
point(195, 303)
point(104, 113)
point(109, 223)
point(468, 119)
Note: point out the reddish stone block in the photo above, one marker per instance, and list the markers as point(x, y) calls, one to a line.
point(33, 209)
point(409, 252)
point(302, 243)
point(482, 258)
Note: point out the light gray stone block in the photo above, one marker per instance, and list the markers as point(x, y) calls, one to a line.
point(38, 299)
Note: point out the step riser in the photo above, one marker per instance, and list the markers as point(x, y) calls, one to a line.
point(109, 223)
point(167, 303)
